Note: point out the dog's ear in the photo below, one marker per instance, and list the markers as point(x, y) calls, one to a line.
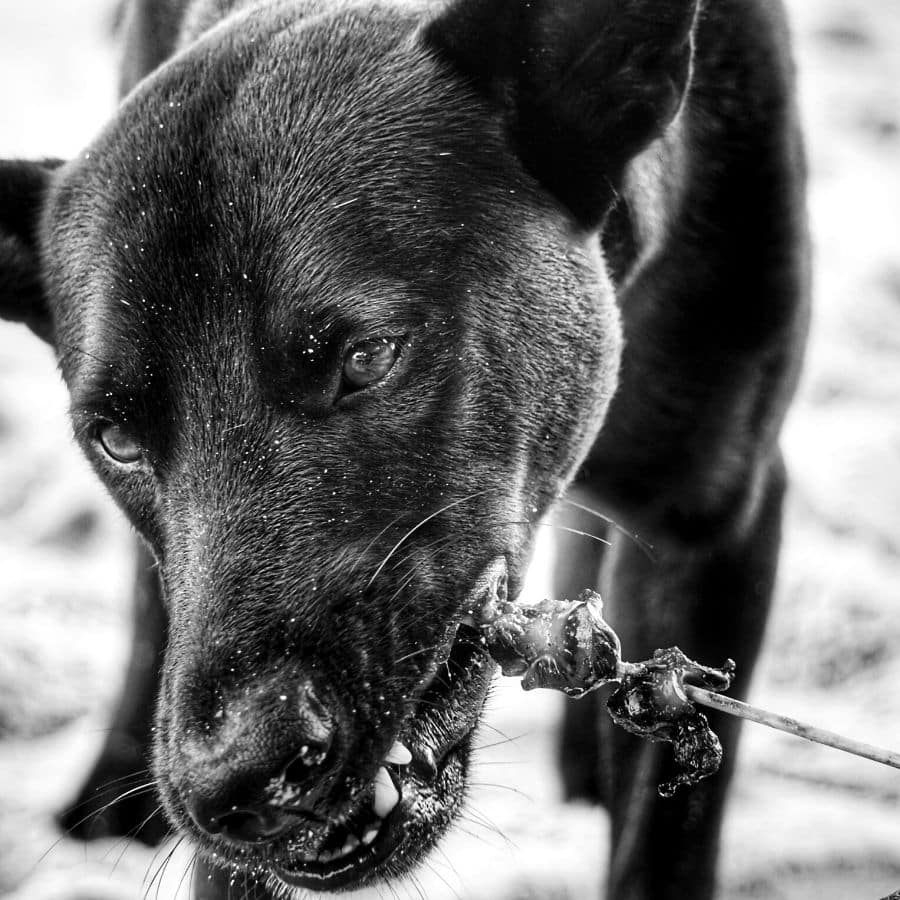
point(23, 188)
point(585, 85)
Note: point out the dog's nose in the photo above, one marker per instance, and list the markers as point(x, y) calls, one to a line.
point(262, 766)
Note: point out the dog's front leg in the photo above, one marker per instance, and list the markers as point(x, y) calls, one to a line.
point(704, 597)
point(118, 797)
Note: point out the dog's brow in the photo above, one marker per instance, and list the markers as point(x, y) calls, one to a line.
point(368, 310)
point(106, 388)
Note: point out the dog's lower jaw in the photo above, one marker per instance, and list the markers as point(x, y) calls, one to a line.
point(432, 788)
point(429, 803)
point(425, 812)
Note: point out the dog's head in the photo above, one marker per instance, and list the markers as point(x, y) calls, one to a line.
point(329, 299)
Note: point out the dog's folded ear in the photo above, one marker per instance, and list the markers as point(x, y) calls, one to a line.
point(585, 85)
point(23, 188)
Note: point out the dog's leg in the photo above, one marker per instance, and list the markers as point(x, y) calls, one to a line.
point(579, 556)
point(118, 798)
point(711, 598)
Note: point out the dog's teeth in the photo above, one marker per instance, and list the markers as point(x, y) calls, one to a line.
point(371, 834)
point(386, 796)
point(469, 619)
point(399, 755)
point(350, 846)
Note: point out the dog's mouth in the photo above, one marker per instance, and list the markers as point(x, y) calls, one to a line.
point(419, 788)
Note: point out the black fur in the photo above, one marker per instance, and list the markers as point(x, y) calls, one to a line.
point(584, 226)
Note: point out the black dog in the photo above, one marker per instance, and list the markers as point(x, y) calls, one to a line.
point(343, 296)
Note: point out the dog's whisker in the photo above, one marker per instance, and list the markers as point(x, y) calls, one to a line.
point(577, 531)
point(528, 523)
point(411, 877)
point(418, 652)
point(128, 839)
point(586, 534)
point(489, 828)
point(162, 869)
point(66, 832)
point(503, 787)
point(403, 585)
point(423, 548)
point(430, 864)
point(497, 762)
point(188, 870)
point(448, 862)
point(146, 887)
point(131, 792)
point(391, 887)
point(433, 865)
point(137, 773)
point(104, 788)
point(421, 523)
point(397, 612)
point(646, 546)
point(476, 815)
point(505, 740)
point(473, 834)
point(371, 543)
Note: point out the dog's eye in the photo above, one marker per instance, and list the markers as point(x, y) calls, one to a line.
point(119, 444)
point(369, 361)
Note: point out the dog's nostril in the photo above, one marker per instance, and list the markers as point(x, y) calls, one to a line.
point(309, 761)
point(251, 825)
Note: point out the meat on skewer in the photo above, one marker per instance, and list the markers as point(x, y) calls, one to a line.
point(569, 647)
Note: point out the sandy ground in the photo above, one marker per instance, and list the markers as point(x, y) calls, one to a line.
point(805, 822)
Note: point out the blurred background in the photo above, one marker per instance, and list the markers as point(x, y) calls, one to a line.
point(805, 822)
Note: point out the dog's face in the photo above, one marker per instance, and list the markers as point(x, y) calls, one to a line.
point(335, 338)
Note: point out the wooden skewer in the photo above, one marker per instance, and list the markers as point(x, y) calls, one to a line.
point(792, 726)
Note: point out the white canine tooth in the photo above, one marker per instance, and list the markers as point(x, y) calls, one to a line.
point(371, 834)
point(399, 754)
point(469, 619)
point(350, 846)
point(386, 796)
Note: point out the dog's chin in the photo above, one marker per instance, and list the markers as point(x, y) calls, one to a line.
point(362, 849)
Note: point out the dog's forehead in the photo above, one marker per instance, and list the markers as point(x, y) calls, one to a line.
point(301, 164)
point(339, 124)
